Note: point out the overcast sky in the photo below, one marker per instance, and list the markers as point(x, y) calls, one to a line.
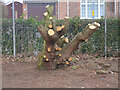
point(7, 1)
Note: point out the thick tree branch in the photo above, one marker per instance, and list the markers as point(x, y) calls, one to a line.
point(63, 40)
point(49, 10)
point(53, 23)
point(66, 25)
point(79, 38)
point(47, 20)
point(43, 32)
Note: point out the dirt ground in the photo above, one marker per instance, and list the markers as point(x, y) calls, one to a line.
point(84, 72)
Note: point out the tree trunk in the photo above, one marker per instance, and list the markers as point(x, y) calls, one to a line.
point(53, 35)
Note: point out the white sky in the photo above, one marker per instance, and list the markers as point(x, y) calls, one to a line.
point(8, 1)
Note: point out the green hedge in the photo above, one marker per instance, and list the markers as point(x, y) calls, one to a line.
point(27, 39)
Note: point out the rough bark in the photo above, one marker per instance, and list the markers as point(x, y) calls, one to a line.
point(53, 35)
point(79, 38)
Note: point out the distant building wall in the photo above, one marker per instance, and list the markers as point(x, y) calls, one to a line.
point(18, 10)
point(37, 9)
point(74, 9)
point(62, 10)
point(111, 9)
point(25, 10)
point(117, 9)
point(4, 11)
point(56, 5)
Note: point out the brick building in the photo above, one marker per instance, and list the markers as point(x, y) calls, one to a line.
point(85, 9)
point(18, 10)
point(37, 8)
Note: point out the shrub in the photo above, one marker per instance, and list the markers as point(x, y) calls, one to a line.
point(28, 38)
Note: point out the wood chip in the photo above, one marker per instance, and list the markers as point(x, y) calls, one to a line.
point(59, 55)
point(67, 62)
point(70, 59)
point(101, 72)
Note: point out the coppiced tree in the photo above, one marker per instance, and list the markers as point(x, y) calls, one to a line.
point(56, 51)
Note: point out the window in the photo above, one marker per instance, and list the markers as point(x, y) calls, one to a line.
point(92, 9)
point(83, 11)
point(89, 11)
point(101, 10)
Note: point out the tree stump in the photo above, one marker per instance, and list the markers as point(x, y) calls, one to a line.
point(53, 35)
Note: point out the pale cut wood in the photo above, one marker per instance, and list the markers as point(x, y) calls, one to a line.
point(59, 28)
point(86, 40)
point(63, 40)
point(51, 32)
point(66, 25)
point(49, 9)
point(47, 59)
point(51, 18)
point(66, 40)
point(50, 26)
point(92, 27)
point(47, 6)
point(58, 49)
point(96, 24)
point(70, 59)
point(44, 56)
point(59, 55)
point(63, 26)
point(67, 62)
point(45, 14)
point(49, 49)
point(62, 36)
point(66, 17)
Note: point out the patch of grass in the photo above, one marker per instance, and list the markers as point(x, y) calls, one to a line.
point(74, 67)
point(73, 59)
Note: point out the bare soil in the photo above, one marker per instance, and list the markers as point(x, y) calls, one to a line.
point(84, 72)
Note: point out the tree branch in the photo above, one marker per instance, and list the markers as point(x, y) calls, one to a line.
point(47, 20)
point(66, 25)
point(49, 10)
point(62, 41)
point(43, 32)
point(79, 38)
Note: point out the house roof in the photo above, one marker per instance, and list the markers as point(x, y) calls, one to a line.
point(11, 2)
point(40, 1)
